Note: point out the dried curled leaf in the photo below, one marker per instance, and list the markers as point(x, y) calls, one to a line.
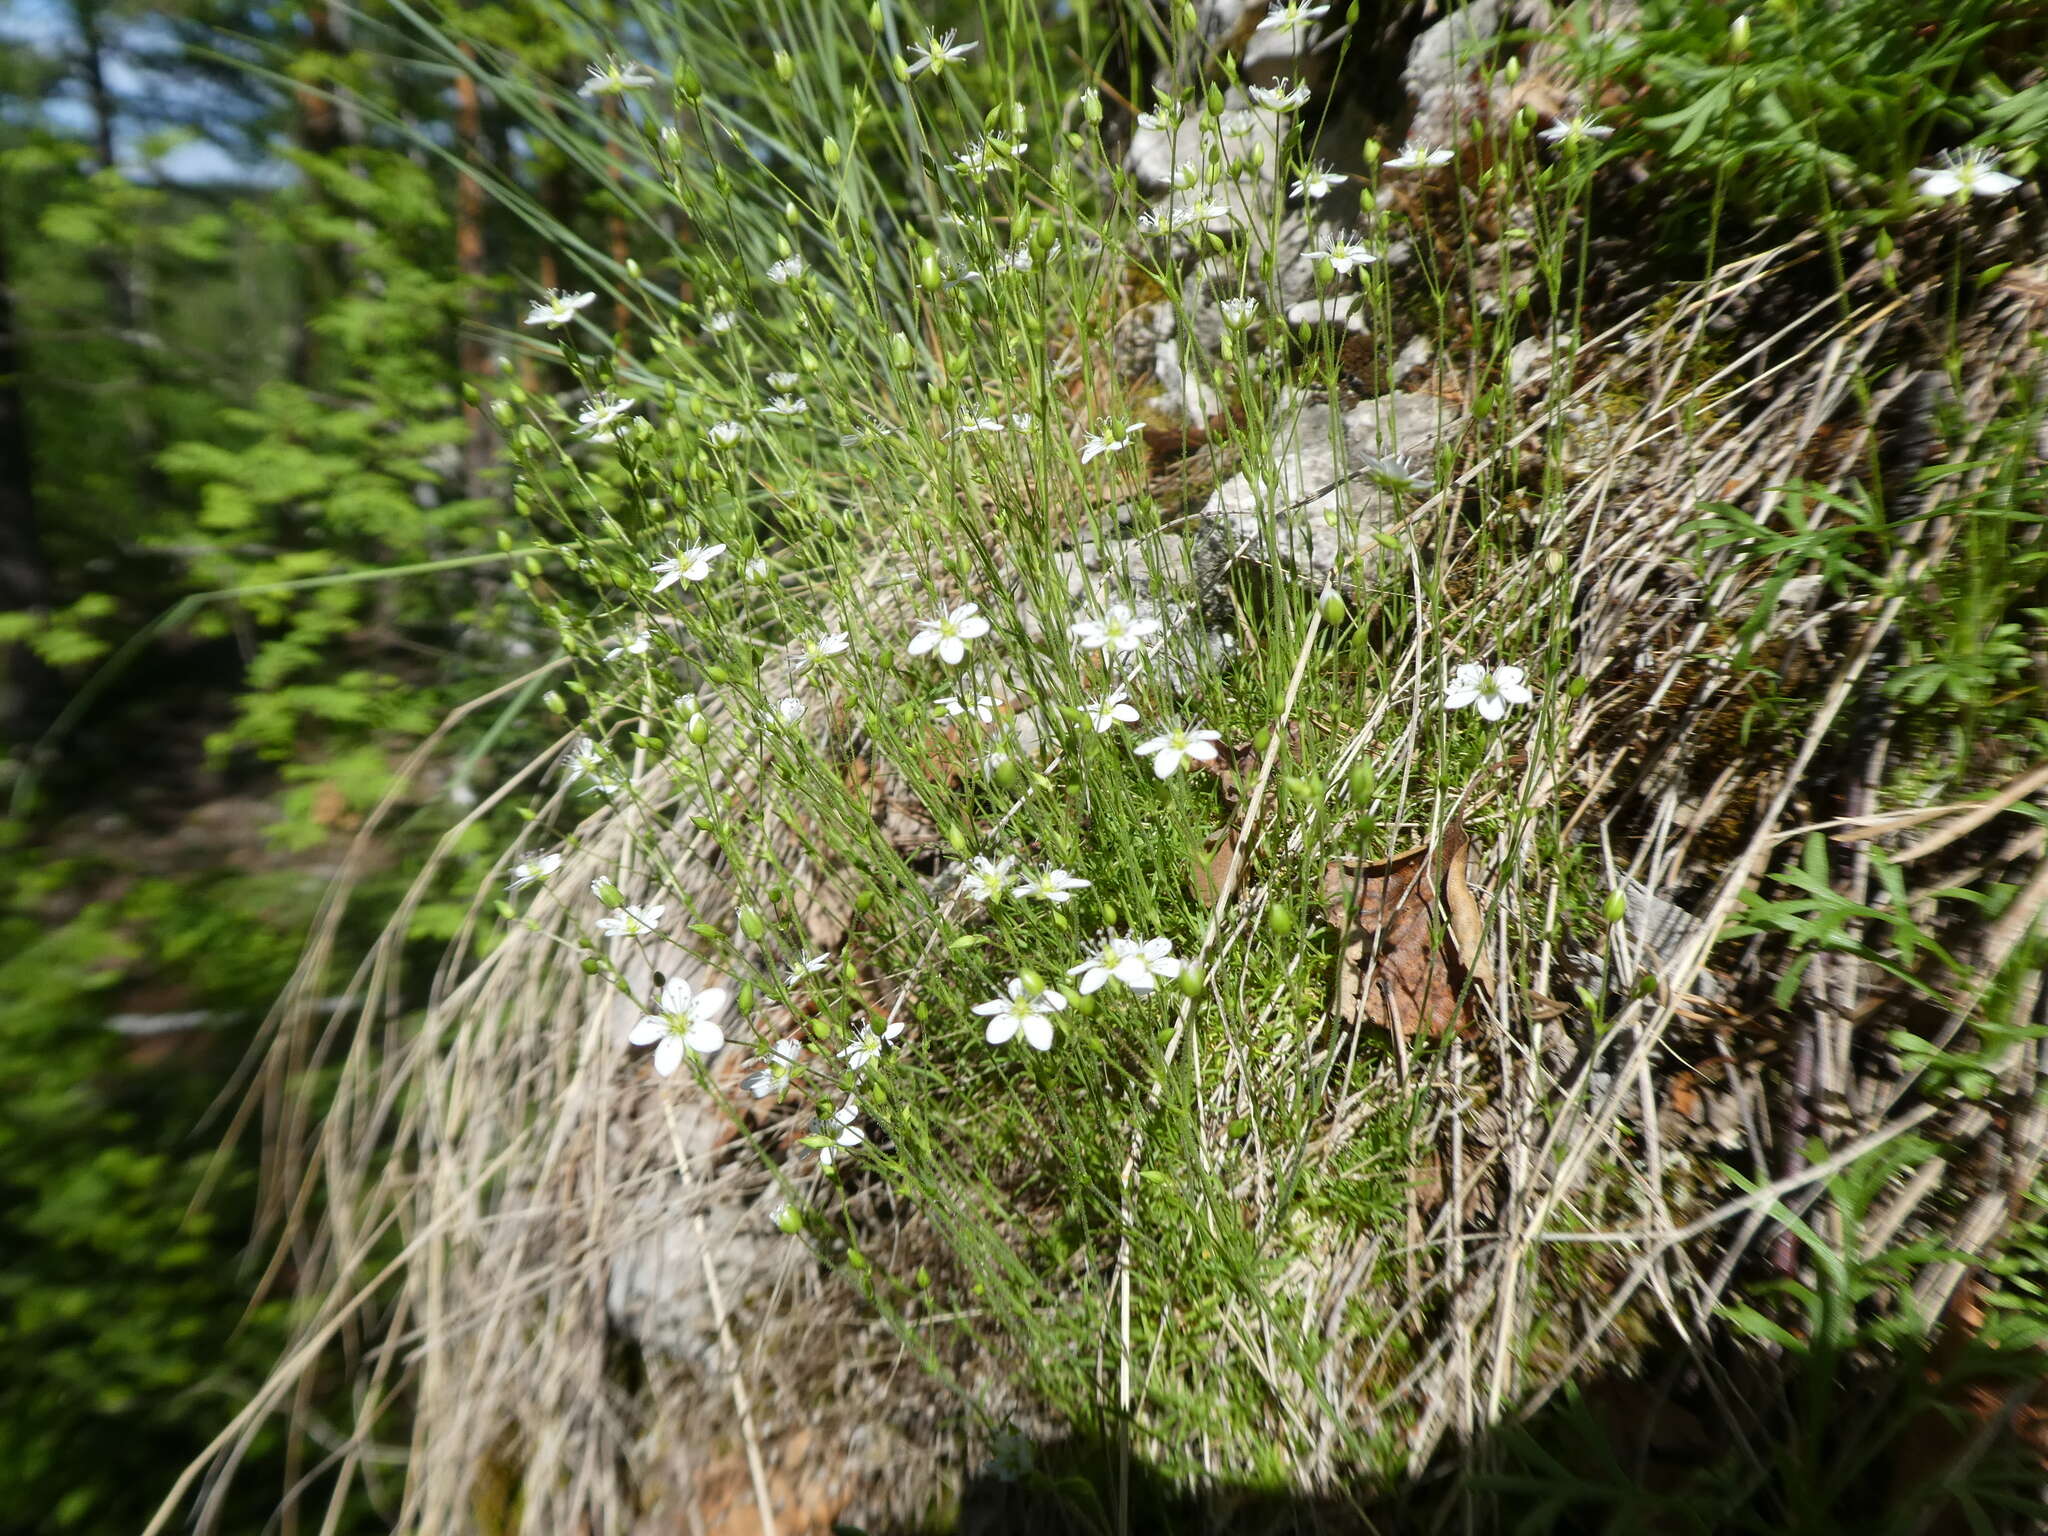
point(1407, 923)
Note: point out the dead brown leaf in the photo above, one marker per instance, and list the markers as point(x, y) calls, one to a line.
point(1400, 970)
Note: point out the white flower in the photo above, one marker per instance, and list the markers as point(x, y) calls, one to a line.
point(1491, 691)
point(1316, 183)
point(1119, 629)
point(1345, 254)
point(1290, 17)
point(758, 569)
point(1971, 172)
point(786, 405)
point(599, 419)
point(983, 708)
point(786, 1218)
point(639, 644)
point(988, 880)
point(787, 270)
point(1139, 965)
point(841, 1132)
point(775, 1067)
point(1416, 155)
point(615, 77)
point(1053, 885)
point(784, 381)
point(1236, 123)
point(811, 965)
point(587, 760)
point(791, 711)
point(1239, 313)
point(532, 871)
point(692, 564)
point(556, 308)
point(936, 52)
point(719, 321)
point(1394, 472)
point(986, 156)
point(949, 635)
point(866, 1049)
point(819, 647)
point(1190, 174)
point(1107, 712)
point(1025, 1009)
point(969, 425)
point(724, 434)
point(1284, 97)
point(1110, 440)
point(1572, 132)
point(1169, 751)
point(631, 922)
point(1164, 116)
point(993, 763)
point(688, 1020)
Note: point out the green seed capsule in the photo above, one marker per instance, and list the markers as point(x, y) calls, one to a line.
point(1615, 907)
point(1279, 920)
point(746, 997)
point(1332, 606)
point(592, 965)
point(1361, 781)
point(1191, 980)
point(752, 925)
point(785, 67)
point(699, 730)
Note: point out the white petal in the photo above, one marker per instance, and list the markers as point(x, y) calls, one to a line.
point(704, 1037)
point(1095, 980)
point(668, 1055)
point(1459, 696)
point(972, 628)
point(649, 1030)
point(1492, 706)
point(1038, 1032)
point(709, 1002)
point(1165, 761)
point(951, 651)
point(1001, 1029)
point(923, 641)
point(675, 995)
point(1165, 966)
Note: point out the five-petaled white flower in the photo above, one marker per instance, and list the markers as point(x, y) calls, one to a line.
point(786, 405)
point(587, 760)
point(556, 308)
point(600, 419)
point(1110, 439)
point(1140, 964)
point(1971, 172)
point(639, 643)
point(866, 1049)
point(791, 711)
point(1284, 97)
point(1291, 17)
point(1105, 713)
point(631, 922)
point(787, 270)
point(936, 52)
point(1346, 254)
point(983, 708)
point(773, 1070)
point(1491, 691)
point(1053, 885)
point(1574, 132)
point(1174, 748)
point(1023, 1008)
point(758, 569)
point(950, 635)
point(614, 77)
point(692, 564)
point(840, 1132)
point(724, 434)
point(1316, 182)
point(783, 381)
point(1419, 155)
point(1239, 313)
point(818, 647)
point(987, 879)
point(719, 321)
point(532, 871)
point(810, 965)
point(688, 1020)
point(1119, 629)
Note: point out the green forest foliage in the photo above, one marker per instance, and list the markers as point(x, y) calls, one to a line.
point(260, 563)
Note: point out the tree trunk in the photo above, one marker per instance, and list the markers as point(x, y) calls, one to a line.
point(472, 356)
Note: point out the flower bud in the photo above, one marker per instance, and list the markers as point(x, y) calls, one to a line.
point(752, 924)
point(607, 893)
point(1738, 34)
point(1361, 781)
point(1615, 907)
point(929, 277)
point(699, 730)
point(788, 1219)
point(785, 67)
point(875, 16)
point(830, 150)
point(1091, 107)
point(900, 351)
point(592, 965)
point(1279, 920)
point(557, 705)
point(1332, 606)
point(746, 998)
point(691, 86)
point(1191, 980)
